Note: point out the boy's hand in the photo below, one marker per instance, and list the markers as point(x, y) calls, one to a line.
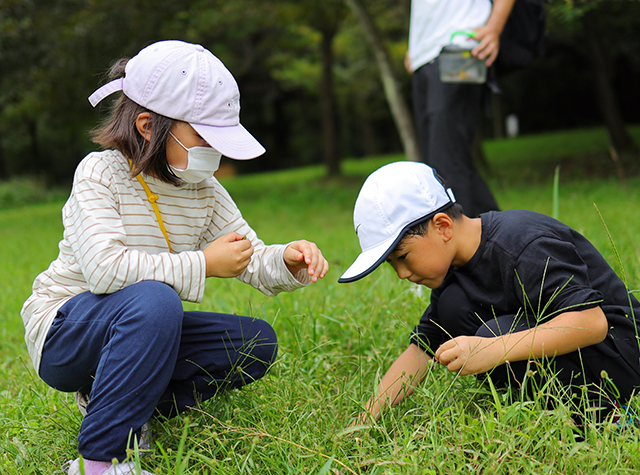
point(470, 354)
point(562, 334)
point(228, 255)
point(306, 255)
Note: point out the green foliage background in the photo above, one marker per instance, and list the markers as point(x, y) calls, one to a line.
point(54, 53)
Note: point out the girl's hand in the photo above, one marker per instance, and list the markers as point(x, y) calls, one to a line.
point(228, 255)
point(306, 255)
point(471, 354)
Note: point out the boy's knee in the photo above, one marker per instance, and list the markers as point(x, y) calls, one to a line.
point(503, 325)
point(488, 329)
point(458, 314)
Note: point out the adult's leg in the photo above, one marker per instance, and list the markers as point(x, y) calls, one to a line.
point(217, 351)
point(446, 119)
point(122, 347)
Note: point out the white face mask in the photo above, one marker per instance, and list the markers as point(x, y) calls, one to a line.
point(202, 163)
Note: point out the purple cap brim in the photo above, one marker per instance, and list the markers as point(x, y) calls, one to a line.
point(232, 141)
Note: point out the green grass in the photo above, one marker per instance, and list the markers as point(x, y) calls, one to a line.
point(335, 342)
point(21, 191)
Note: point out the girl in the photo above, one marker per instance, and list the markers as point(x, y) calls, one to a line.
point(145, 224)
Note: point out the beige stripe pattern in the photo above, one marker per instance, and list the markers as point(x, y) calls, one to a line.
point(112, 240)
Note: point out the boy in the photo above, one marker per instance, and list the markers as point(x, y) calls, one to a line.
point(508, 287)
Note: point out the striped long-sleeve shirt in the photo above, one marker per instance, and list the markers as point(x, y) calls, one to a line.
point(112, 239)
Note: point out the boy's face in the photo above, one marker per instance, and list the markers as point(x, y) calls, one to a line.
point(423, 260)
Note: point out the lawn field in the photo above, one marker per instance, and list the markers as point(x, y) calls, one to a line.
point(337, 340)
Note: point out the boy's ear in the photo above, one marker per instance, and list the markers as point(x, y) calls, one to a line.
point(143, 125)
point(443, 225)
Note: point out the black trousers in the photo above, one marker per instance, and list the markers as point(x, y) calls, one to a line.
point(597, 374)
point(446, 120)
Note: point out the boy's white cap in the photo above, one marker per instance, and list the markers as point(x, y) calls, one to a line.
point(394, 198)
point(184, 81)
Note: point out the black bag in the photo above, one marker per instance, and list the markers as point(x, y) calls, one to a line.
point(522, 38)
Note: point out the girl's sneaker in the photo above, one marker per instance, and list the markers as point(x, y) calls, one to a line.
point(126, 468)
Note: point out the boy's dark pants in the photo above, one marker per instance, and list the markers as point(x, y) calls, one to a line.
point(585, 368)
point(138, 353)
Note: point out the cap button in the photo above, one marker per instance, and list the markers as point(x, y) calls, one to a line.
point(199, 48)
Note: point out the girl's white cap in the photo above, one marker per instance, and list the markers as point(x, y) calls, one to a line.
point(392, 199)
point(186, 82)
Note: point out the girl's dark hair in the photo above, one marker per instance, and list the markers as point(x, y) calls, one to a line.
point(118, 131)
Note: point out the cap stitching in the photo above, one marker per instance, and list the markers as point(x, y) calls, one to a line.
point(153, 80)
point(200, 90)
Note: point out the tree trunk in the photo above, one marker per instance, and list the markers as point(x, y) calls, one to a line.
point(605, 93)
point(369, 138)
point(399, 109)
point(35, 162)
point(331, 157)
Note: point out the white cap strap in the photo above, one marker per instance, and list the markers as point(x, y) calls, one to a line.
point(106, 90)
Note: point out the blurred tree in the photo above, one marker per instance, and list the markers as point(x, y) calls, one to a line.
point(24, 35)
point(324, 18)
point(603, 32)
point(311, 89)
point(281, 53)
point(297, 65)
point(308, 73)
point(52, 53)
point(397, 103)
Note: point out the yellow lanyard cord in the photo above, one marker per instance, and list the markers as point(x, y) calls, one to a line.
point(152, 199)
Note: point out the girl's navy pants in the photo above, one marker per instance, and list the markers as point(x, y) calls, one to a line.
point(138, 354)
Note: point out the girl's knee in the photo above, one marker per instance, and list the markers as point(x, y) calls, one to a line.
point(262, 344)
point(157, 299)
point(159, 291)
point(153, 312)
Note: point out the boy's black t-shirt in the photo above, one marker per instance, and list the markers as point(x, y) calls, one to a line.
point(520, 253)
